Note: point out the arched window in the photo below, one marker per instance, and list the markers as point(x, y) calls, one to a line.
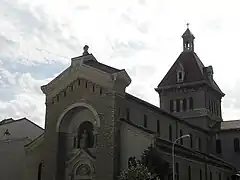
point(180, 73)
point(158, 126)
point(189, 173)
point(190, 99)
point(184, 104)
point(220, 176)
point(199, 144)
point(210, 174)
point(85, 135)
point(218, 146)
point(200, 174)
point(170, 132)
point(40, 171)
point(236, 145)
point(74, 142)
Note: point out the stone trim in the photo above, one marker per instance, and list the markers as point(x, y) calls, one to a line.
point(78, 104)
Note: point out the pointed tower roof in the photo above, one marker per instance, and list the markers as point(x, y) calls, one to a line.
point(193, 68)
point(188, 33)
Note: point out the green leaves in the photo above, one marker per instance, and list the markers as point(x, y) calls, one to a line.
point(138, 172)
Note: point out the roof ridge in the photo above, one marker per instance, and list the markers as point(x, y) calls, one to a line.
point(231, 120)
point(9, 122)
point(21, 119)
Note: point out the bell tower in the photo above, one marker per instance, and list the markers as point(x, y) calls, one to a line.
point(188, 90)
point(188, 40)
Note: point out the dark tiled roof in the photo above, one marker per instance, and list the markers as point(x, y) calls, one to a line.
point(193, 68)
point(102, 67)
point(194, 71)
point(187, 33)
point(216, 87)
point(228, 125)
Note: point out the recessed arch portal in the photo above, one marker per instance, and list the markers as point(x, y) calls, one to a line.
point(70, 110)
point(67, 129)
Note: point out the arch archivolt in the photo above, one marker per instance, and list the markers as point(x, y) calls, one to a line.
point(74, 110)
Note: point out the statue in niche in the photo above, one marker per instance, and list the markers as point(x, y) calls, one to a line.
point(85, 135)
point(84, 141)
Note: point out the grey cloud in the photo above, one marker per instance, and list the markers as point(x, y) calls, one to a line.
point(21, 98)
point(232, 98)
point(37, 70)
point(35, 24)
point(142, 71)
point(142, 2)
point(82, 8)
point(140, 26)
point(128, 48)
point(4, 41)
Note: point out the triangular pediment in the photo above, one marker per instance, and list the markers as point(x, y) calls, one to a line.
point(81, 155)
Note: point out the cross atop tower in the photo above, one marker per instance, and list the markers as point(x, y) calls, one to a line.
point(188, 25)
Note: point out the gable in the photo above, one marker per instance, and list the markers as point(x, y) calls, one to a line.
point(21, 128)
point(87, 67)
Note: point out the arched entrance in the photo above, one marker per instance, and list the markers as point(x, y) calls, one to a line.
point(77, 128)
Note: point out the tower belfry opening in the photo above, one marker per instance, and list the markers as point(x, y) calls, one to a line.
point(188, 40)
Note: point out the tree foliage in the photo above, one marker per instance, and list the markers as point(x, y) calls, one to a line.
point(136, 171)
point(150, 166)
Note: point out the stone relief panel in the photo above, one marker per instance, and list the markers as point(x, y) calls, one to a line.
point(81, 168)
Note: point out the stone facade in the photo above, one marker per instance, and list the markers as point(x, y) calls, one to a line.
point(93, 126)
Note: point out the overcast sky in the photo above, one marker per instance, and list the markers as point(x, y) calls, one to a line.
point(38, 38)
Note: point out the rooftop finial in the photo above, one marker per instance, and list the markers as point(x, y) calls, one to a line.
point(188, 25)
point(85, 50)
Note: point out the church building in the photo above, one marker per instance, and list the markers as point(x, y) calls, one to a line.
point(93, 126)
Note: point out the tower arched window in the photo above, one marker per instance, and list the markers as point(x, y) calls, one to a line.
point(190, 99)
point(199, 144)
point(236, 145)
point(218, 146)
point(180, 73)
point(184, 104)
point(170, 132)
